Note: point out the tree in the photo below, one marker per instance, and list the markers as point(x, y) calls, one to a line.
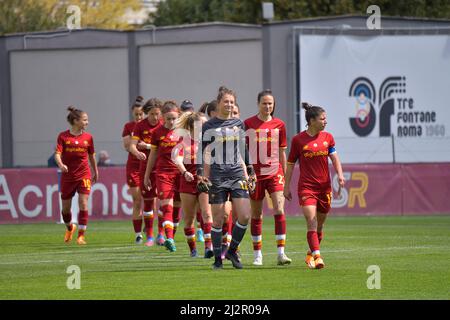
point(173, 12)
point(31, 15)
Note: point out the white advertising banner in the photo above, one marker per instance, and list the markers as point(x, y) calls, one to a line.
point(386, 97)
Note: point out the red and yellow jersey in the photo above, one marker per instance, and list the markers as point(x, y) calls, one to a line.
point(128, 129)
point(165, 140)
point(143, 131)
point(75, 151)
point(312, 153)
point(189, 149)
point(265, 139)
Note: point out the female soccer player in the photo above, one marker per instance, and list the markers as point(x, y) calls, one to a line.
point(225, 138)
point(188, 127)
point(73, 149)
point(267, 144)
point(142, 135)
point(167, 176)
point(132, 167)
point(312, 148)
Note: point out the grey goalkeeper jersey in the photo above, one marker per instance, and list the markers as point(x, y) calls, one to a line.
point(224, 140)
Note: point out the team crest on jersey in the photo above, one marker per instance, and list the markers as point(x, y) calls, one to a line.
point(68, 142)
point(325, 144)
point(145, 131)
point(305, 147)
point(85, 142)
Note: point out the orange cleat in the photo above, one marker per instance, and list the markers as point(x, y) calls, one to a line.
point(69, 234)
point(318, 262)
point(81, 240)
point(309, 260)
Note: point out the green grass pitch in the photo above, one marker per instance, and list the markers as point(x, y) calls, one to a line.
point(413, 254)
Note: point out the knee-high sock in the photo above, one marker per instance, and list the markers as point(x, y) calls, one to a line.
point(238, 234)
point(200, 224)
point(216, 236)
point(256, 231)
point(280, 232)
point(148, 221)
point(313, 242)
point(190, 237)
point(160, 222)
point(207, 235)
point(137, 225)
point(176, 219)
point(82, 222)
point(168, 222)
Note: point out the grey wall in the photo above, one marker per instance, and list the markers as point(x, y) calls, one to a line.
point(44, 83)
point(195, 72)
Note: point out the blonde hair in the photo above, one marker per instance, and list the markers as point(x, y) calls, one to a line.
point(187, 120)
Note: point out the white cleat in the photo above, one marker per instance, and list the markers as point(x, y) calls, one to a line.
point(283, 259)
point(258, 261)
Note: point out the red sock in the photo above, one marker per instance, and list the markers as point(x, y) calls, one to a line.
point(82, 222)
point(160, 223)
point(137, 224)
point(207, 235)
point(176, 219)
point(313, 241)
point(320, 236)
point(67, 218)
point(256, 231)
point(225, 232)
point(148, 221)
point(168, 222)
point(280, 229)
point(190, 237)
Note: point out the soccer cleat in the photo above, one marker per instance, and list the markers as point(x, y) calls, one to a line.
point(149, 242)
point(170, 245)
point(69, 234)
point(160, 240)
point(217, 265)
point(318, 262)
point(209, 253)
point(283, 259)
point(139, 239)
point(258, 261)
point(233, 257)
point(199, 236)
point(309, 260)
point(194, 253)
point(81, 240)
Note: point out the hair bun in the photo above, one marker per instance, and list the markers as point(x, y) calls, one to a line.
point(71, 108)
point(306, 105)
point(139, 98)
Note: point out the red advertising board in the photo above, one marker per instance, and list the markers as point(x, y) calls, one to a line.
point(31, 195)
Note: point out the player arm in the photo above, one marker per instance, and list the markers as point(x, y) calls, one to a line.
point(337, 166)
point(283, 159)
point(94, 166)
point(59, 162)
point(134, 151)
point(151, 162)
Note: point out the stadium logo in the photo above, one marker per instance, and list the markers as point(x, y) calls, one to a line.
point(391, 101)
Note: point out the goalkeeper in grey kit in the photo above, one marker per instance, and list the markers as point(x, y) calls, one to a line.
point(230, 174)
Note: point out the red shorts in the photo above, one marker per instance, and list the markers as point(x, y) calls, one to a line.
point(188, 187)
point(322, 200)
point(148, 194)
point(272, 184)
point(68, 188)
point(168, 185)
point(133, 177)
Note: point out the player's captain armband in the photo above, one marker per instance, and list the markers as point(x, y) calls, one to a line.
point(331, 150)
